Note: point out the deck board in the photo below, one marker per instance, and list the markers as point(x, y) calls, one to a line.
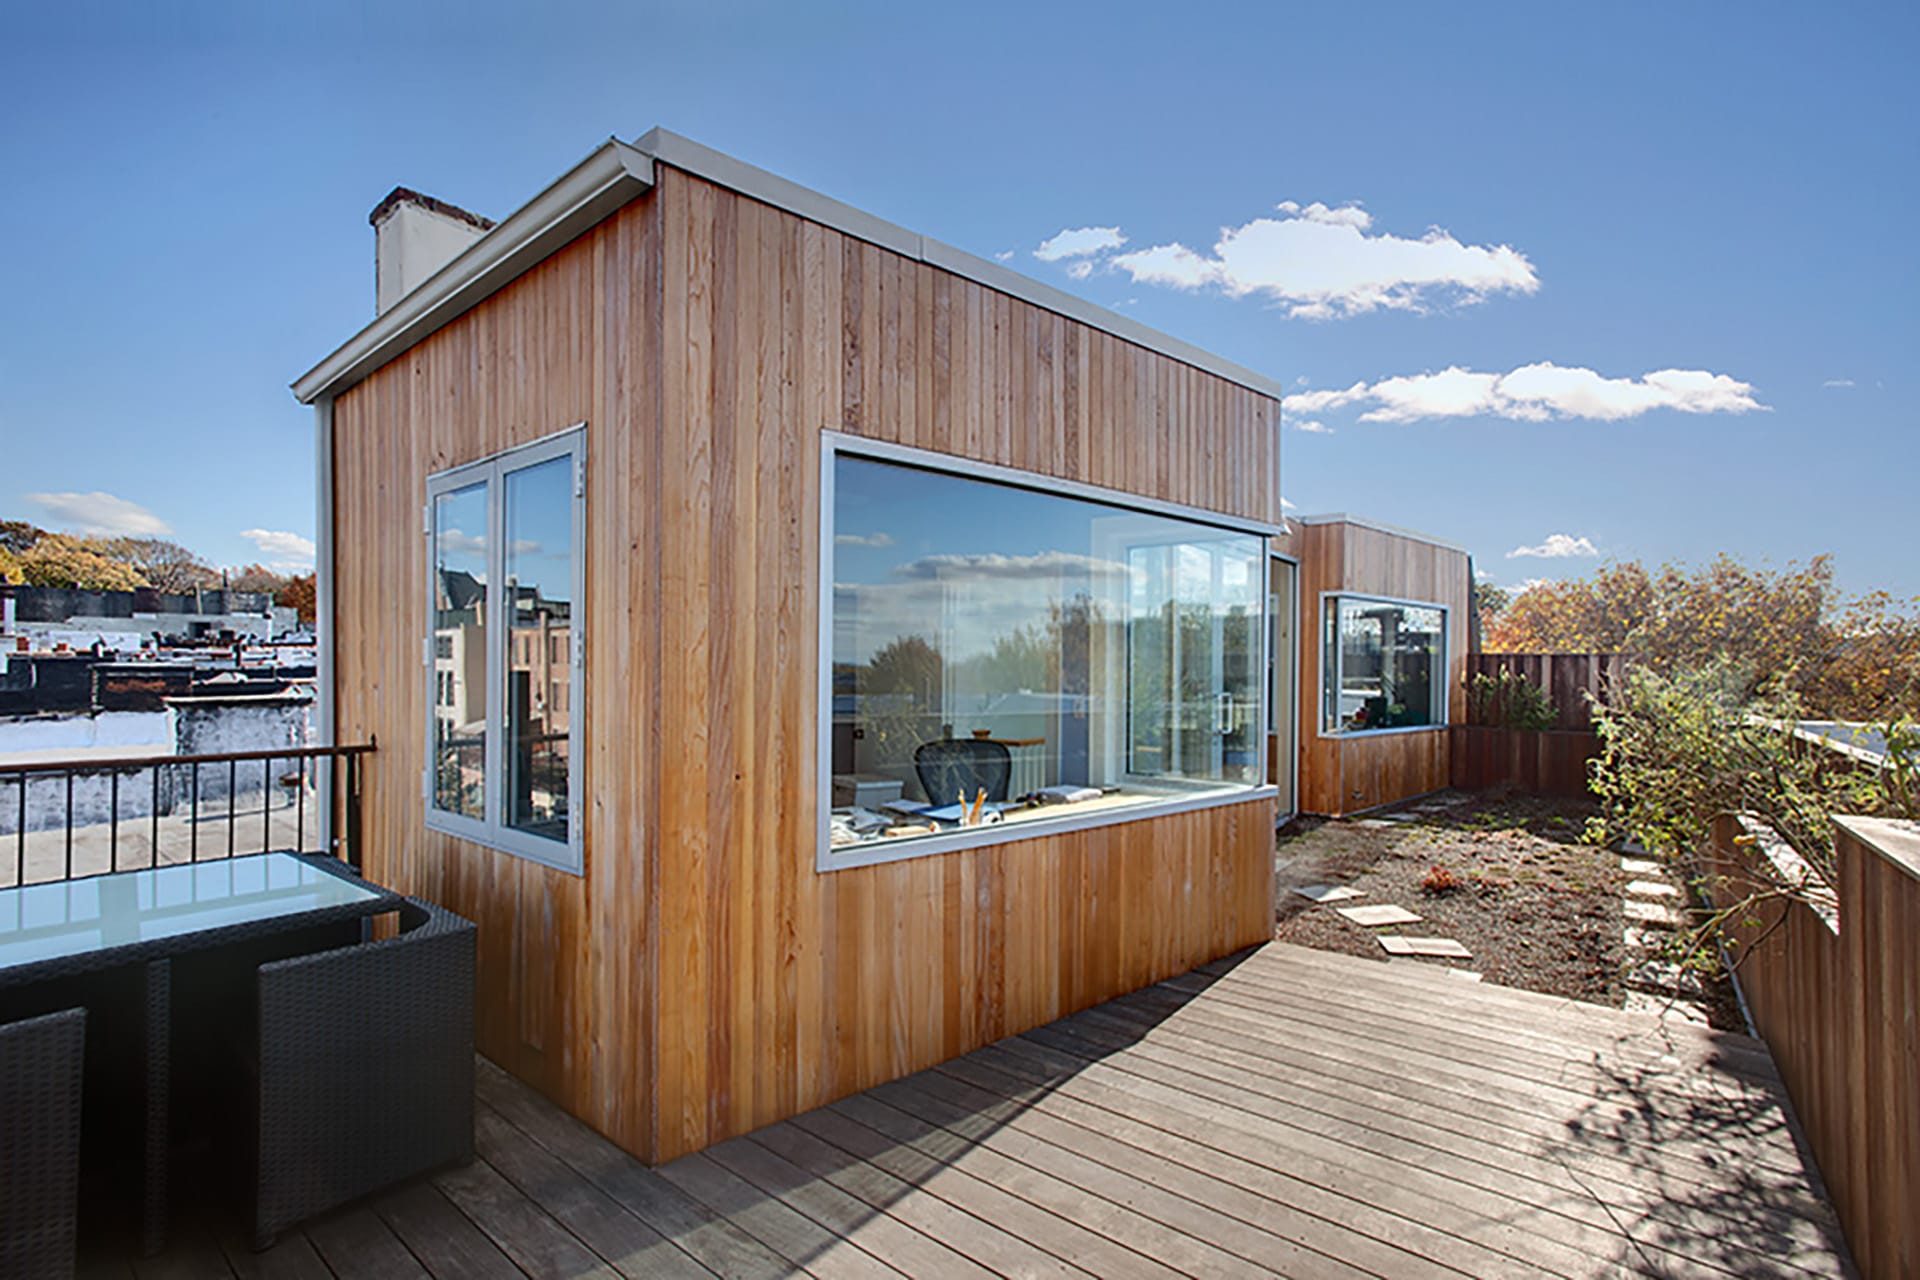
point(1287, 1113)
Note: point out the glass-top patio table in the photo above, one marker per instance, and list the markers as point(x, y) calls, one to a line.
point(142, 920)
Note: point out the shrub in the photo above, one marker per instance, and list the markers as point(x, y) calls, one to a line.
point(1438, 882)
point(1510, 701)
point(1679, 749)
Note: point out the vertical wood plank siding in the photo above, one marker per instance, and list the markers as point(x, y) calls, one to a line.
point(1573, 681)
point(1346, 775)
point(701, 979)
point(1840, 1009)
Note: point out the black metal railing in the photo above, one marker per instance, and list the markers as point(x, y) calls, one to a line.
point(175, 797)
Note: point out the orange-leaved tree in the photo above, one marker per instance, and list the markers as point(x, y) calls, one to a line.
point(63, 560)
point(297, 594)
point(1856, 660)
point(1594, 614)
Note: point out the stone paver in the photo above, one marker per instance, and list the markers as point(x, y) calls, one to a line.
point(1652, 889)
point(1446, 948)
point(1654, 913)
point(1374, 917)
point(1328, 892)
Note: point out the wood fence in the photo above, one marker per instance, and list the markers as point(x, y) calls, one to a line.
point(1485, 753)
point(1569, 679)
point(1548, 762)
point(1833, 986)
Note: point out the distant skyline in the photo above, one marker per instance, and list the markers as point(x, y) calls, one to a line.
point(1556, 285)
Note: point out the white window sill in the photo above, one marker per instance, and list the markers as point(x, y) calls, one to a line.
point(1384, 733)
point(842, 857)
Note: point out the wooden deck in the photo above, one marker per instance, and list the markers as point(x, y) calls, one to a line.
point(1289, 1112)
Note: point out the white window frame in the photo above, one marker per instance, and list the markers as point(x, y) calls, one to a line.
point(492, 830)
point(1445, 666)
point(833, 444)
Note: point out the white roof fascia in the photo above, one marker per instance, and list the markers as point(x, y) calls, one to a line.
point(612, 175)
point(1341, 517)
point(616, 173)
point(768, 188)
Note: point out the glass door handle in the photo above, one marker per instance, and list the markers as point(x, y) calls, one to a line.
point(1223, 713)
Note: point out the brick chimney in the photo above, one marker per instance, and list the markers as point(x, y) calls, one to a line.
point(414, 236)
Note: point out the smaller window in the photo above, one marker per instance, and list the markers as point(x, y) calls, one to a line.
point(506, 574)
point(1383, 665)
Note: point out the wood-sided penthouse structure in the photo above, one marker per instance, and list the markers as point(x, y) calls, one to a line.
point(808, 651)
point(1384, 630)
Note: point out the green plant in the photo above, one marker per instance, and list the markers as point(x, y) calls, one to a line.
point(1902, 773)
point(1679, 749)
point(1510, 701)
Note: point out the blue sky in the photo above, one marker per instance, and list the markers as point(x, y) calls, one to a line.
point(1623, 189)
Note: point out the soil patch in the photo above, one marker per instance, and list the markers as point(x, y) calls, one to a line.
point(1503, 872)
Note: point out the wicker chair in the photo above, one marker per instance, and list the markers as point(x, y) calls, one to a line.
point(957, 768)
point(365, 1067)
point(41, 1061)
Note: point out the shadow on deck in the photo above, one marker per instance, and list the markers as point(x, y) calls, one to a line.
point(1283, 1111)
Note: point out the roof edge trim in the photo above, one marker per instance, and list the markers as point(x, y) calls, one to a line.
point(770, 188)
point(613, 174)
point(1361, 522)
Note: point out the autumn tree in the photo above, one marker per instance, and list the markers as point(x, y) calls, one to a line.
point(1595, 614)
point(17, 535)
point(162, 564)
point(63, 560)
point(1489, 602)
point(297, 594)
point(1845, 660)
point(258, 578)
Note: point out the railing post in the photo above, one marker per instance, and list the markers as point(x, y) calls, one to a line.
point(353, 812)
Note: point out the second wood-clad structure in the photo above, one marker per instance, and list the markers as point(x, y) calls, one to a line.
point(1369, 593)
point(625, 762)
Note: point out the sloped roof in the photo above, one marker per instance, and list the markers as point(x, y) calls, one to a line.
point(617, 172)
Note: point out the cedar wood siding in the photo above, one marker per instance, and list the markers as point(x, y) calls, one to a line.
point(701, 979)
point(1346, 775)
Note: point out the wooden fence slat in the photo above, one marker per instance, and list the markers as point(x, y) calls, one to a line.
point(1837, 1003)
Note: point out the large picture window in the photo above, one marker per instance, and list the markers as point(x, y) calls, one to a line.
point(1002, 656)
point(1383, 665)
point(504, 656)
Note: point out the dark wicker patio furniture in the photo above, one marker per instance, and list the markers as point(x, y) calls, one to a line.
point(953, 769)
point(365, 1067)
point(41, 1061)
point(150, 959)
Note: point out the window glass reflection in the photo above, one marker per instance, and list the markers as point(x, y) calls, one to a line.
point(1385, 666)
point(539, 585)
point(460, 651)
point(1001, 654)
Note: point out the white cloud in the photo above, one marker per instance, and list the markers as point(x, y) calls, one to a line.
point(1312, 426)
point(285, 552)
point(457, 542)
point(881, 539)
point(1078, 242)
point(1558, 546)
point(1526, 585)
point(1005, 255)
point(1285, 505)
point(1838, 382)
point(101, 513)
point(1540, 392)
point(1323, 262)
point(1047, 566)
point(1320, 401)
